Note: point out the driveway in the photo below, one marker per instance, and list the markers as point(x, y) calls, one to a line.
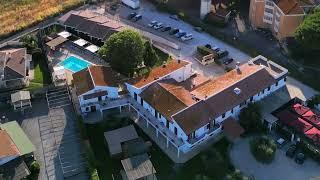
point(281, 168)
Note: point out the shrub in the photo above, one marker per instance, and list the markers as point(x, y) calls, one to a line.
point(263, 149)
point(35, 167)
point(250, 119)
point(310, 150)
point(203, 50)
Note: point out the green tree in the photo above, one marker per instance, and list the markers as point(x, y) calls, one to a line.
point(236, 175)
point(150, 56)
point(124, 51)
point(250, 118)
point(308, 33)
point(30, 42)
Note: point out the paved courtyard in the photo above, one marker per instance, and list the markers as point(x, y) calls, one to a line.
point(54, 134)
point(281, 168)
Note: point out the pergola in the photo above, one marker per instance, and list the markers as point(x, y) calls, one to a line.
point(80, 42)
point(54, 43)
point(92, 48)
point(21, 100)
point(64, 34)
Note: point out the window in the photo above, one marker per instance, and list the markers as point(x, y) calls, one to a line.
point(141, 102)
point(277, 83)
point(243, 103)
point(269, 3)
point(285, 79)
point(175, 131)
point(87, 108)
point(267, 18)
point(167, 124)
point(251, 99)
point(268, 10)
point(208, 126)
point(192, 135)
point(269, 88)
point(156, 113)
point(232, 111)
point(223, 115)
point(262, 91)
point(99, 98)
point(135, 96)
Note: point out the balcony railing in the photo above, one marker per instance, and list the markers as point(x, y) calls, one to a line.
point(211, 132)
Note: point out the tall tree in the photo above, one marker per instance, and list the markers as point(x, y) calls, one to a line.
point(250, 118)
point(308, 33)
point(150, 56)
point(124, 51)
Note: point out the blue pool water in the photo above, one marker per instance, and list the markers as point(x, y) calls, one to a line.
point(74, 64)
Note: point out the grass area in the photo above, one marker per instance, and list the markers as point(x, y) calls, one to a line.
point(213, 162)
point(18, 14)
point(41, 71)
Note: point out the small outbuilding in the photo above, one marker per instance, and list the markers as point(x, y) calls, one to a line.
point(21, 100)
point(138, 167)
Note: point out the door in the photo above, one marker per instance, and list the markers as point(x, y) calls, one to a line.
point(135, 96)
point(93, 109)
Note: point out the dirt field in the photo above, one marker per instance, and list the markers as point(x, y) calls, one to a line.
point(18, 14)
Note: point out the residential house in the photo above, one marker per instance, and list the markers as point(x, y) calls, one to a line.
point(282, 17)
point(217, 8)
point(14, 67)
point(194, 112)
point(15, 146)
point(96, 84)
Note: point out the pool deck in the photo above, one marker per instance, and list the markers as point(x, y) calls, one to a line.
point(68, 49)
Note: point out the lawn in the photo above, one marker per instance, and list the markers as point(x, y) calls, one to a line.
point(19, 14)
point(213, 162)
point(41, 72)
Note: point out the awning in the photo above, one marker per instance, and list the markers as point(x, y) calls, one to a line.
point(65, 34)
point(56, 42)
point(20, 96)
point(80, 42)
point(92, 48)
point(232, 128)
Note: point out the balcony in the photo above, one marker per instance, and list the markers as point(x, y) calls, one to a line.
point(214, 130)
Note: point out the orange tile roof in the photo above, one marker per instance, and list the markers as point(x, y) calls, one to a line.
point(220, 83)
point(157, 73)
point(86, 79)
point(290, 7)
point(178, 91)
point(7, 146)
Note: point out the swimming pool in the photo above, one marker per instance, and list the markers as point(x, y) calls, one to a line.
point(74, 64)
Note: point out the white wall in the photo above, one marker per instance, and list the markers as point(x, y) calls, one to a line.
point(113, 93)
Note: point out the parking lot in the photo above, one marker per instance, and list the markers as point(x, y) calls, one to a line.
point(188, 48)
point(281, 168)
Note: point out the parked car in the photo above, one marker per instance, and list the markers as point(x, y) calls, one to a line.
point(198, 29)
point(158, 26)
point(175, 17)
point(227, 61)
point(215, 48)
point(174, 31)
point(222, 54)
point(152, 23)
point(137, 17)
point(180, 34)
point(291, 151)
point(299, 159)
point(166, 28)
point(187, 37)
point(131, 15)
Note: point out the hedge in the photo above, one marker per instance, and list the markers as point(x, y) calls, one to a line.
point(203, 50)
point(310, 150)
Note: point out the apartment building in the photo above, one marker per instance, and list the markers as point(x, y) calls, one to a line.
point(282, 17)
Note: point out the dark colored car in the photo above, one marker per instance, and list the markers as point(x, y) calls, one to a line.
point(180, 34)
point(175, 17)
point(137, 17)
point(208, 46)
point(227, 61)
point(131, 15)
point(222, 54)
point(291, 151)
point(299, 159)
point(174, 31)
point(167, 28)
point(198, 29)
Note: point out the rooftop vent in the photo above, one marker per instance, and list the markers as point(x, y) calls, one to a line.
point(164, 65)
point(237, 91)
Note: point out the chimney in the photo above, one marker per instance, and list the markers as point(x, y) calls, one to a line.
point(179, 61)
point(238, 67)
